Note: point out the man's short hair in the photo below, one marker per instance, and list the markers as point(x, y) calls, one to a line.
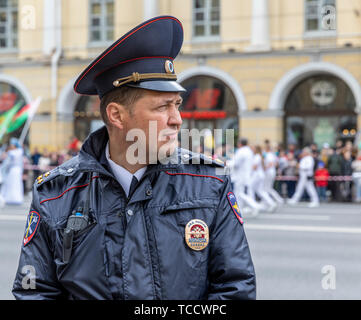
point(243, 141)
point(126, 96)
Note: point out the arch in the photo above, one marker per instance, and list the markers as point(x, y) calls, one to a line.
point(221, 75)
point(67, 101)
point(294, 76)
point(18, 85)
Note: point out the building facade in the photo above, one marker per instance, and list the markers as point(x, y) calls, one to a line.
point(288, 71)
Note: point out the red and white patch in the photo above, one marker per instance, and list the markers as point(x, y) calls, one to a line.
point(197, 234)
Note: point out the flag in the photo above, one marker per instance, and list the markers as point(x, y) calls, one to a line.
point(7, 117)
point(23, 114)
point(19, 119)
point(34, 105)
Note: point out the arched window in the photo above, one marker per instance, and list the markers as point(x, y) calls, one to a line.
point(87, 116)
point(209, 104)
point(320, 109)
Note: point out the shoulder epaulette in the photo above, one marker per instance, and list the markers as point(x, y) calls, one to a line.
point(189, 157)
point(68, 168)
point(47, 176)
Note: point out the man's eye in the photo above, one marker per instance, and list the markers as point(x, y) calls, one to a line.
point(179, 106)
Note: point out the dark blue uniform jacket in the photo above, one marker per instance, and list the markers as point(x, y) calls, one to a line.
point(135, 248)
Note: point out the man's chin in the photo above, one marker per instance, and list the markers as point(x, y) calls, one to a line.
point(167, 150)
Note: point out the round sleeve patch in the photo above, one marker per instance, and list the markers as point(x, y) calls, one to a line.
point(234, 205)
point(32, 224)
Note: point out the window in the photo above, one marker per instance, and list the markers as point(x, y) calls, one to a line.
point(87, 117)
point(101, 21)
point(206, 18)
point(320, 109)
point(320, 15)
point(8, 24)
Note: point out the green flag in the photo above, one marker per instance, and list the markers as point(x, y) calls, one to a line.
point(7, 117)
point(19, 119)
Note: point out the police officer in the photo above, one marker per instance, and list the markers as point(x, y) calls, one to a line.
point(132, 216)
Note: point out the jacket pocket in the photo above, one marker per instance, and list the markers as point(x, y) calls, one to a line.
point(78, 236)
point(170, 230)
point(185, 211)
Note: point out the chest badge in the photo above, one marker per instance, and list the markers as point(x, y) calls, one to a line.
point(197, 234)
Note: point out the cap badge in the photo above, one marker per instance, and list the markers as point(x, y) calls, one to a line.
point(169, 67)
point(197, 234)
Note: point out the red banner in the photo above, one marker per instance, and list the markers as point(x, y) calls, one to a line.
point(203, 114)
point(7, 101)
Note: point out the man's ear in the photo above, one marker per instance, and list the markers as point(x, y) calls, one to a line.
point(116, 114)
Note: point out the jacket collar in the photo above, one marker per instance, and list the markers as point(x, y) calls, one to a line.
point(92, 155)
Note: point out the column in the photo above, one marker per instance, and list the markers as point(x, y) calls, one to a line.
point(150, 9)
point(260, 37)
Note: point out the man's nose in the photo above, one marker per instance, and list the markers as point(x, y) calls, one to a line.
point(174, 117)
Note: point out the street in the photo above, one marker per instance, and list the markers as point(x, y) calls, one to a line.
point(298, 252)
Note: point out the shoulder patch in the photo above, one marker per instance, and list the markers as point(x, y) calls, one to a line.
point(234, 205)
point(32, 224)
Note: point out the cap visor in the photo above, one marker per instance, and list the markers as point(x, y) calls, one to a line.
point(165, 86)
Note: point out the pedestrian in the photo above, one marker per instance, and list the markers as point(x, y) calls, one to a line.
point(270, 161)
point(346, 184)
point(291, 173)
point(136, 219)
point(334, 166)
point(258, 179)
point(356, 176)
point(321, 180)
point(305, 181)
point(3, 170)
point(281, 185)
point(44, 161)
point(241, 177)
point(12, 189)
point(35, 156)
point(325, 153)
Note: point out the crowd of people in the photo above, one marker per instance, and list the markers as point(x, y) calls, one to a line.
point(267, 176)
point(19, 167)
point(263, 177)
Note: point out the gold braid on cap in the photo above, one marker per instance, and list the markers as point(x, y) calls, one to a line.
point(135, 77)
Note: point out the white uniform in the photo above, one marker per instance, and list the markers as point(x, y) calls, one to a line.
point(12, 189)
point(257, 183)
point(270, 164)
point(241, 177)
point(306, 181)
